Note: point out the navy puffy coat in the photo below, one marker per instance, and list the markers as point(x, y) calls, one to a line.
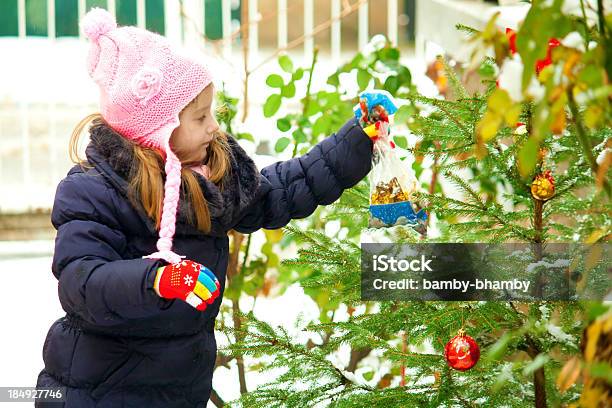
point(119, 344)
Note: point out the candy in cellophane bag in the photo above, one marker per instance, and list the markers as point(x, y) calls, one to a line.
point(392, 182)
point(392, 185)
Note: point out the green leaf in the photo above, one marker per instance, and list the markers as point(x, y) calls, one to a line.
point(333, 80)
point(418, 168)
point(298, 74)
point(283, 124)
point(313, 108)
point(401, 141)
point(285, 63)
point(363, 79)
point(274, 81)
point(303, 122)
point(601, 369)
point(404, 76)
point(245, 136)
point(592, 76)
point(392, 84)
point(388, 54)
point(288, 91)
point(368, 375)
point(320, 125)
point(528, 157)
point(251, 286)
point(269, 250)
point(544, 21)
point(595, 310)
point(404, 113)
point(299, 136)
point(329, 100)
point(355, 62)
point(272, 104)
point(281, 144)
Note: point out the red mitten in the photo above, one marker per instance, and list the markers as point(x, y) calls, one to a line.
point(189, 281)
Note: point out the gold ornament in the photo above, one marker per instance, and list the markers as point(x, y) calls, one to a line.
point(543, 186)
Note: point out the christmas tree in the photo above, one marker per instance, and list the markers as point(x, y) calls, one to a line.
point(526, 157)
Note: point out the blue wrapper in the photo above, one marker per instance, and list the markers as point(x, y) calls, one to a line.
point(374, 98)
point(400, 213)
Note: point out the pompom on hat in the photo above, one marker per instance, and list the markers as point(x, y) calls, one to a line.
point(144, 85)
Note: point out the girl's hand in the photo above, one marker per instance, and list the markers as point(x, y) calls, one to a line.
point(374, 110)
point(189, 281)
point(374, 106)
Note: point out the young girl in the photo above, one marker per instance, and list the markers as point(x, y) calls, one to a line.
point(142, 248)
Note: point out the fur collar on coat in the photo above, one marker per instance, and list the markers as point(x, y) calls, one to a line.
point(112, 156)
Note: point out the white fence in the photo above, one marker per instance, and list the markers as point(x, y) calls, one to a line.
point(44, 89)
point(176, 11)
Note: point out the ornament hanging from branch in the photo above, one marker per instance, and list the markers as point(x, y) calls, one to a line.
point(543, 186)
point(461, 352)
point(392, 182)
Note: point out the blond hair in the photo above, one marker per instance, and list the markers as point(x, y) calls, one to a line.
point(146, 185)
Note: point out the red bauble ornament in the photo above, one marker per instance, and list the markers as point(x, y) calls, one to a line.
point(462, 352)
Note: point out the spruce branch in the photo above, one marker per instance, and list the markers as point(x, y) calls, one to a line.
point(464, 186)
point(467, 29)
point(456, 84)
point(442, 150)
point(302, 362)
point(480, 212)
point(445, 107)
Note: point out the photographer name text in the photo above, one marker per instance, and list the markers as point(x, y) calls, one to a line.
point(384, 263)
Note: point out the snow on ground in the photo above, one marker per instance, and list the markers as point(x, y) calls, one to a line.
point(28, 305)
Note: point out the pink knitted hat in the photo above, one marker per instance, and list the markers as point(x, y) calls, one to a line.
point(144, 84)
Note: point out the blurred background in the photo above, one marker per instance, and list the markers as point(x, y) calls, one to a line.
point(45, 91)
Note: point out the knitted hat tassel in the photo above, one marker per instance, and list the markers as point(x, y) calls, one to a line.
point(171, 199)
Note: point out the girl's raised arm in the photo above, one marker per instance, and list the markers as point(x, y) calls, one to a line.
point(294, 188)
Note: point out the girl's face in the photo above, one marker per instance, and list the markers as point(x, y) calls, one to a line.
point(197, 129)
